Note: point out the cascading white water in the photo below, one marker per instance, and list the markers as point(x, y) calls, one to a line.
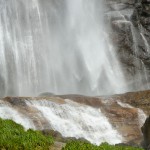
point(7, 112)
point(70, 119)
point(57, 46)
point(73, 119)
point(76, 120)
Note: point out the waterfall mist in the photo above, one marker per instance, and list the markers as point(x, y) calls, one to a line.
point(59, 46)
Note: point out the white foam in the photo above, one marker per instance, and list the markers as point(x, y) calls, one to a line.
point(78, 121)
point(7, 112)
point(124, 105)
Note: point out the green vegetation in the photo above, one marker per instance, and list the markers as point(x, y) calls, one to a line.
point(14, 137)
point(78, 145)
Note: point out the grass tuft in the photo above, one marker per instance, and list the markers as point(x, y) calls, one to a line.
point(78, 145)
point(14, 137)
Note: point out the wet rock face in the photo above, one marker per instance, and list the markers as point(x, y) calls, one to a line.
point(130, 33)
point(140, 99)
point(124, 119)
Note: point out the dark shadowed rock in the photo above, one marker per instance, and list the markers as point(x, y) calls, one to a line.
point(146, 133)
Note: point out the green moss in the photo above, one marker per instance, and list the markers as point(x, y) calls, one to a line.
point(14, 137)
point(78, 145)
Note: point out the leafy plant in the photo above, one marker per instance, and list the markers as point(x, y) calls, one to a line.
point(14, 137)
point(78, 145)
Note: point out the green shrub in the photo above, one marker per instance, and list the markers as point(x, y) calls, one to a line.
point(14, 137)
point(78, 145)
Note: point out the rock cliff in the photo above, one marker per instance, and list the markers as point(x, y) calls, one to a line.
point(130, 33)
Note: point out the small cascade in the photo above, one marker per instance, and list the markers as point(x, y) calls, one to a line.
point(8, 112)
point(76, 120)
point(124, 105)
point(146, 44)
point(141, 115)
point(135, 42)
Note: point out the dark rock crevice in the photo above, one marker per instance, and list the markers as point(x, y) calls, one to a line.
point(146, 134)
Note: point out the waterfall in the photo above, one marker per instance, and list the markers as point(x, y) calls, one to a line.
point(75, 120)
point(57, 46)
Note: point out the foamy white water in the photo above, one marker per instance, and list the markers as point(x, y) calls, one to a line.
point(56, 46)
point(7, 112)
point(80, 121)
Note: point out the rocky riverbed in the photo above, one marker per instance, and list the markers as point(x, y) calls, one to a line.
point(126, 112)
